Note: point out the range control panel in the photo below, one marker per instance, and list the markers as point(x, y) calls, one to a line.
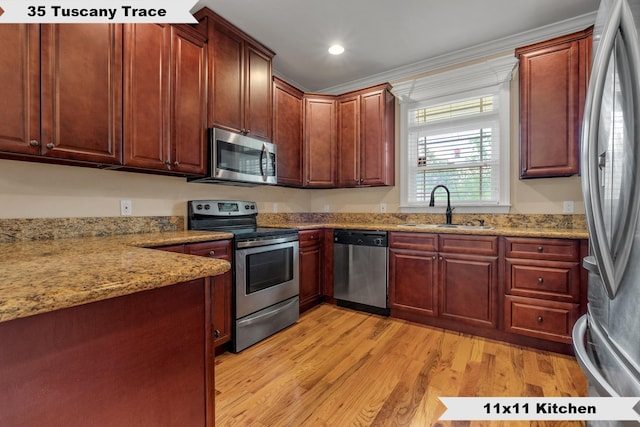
point(222, 207)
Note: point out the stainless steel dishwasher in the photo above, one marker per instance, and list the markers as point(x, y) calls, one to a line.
point(360, 270)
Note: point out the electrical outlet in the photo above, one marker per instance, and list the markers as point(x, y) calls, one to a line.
point(383, 207)
point(325, 208)
point(125, 207)
point(275, 208)
point(567, 207)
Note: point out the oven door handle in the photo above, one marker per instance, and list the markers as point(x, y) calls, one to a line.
point(267, 314)
point(269, 242)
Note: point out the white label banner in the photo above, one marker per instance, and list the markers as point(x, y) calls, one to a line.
point(540, 408)
point(96, 11)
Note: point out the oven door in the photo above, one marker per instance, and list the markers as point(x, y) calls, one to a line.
point(265, 275)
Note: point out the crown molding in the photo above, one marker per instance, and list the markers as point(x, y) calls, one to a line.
point(477, 52)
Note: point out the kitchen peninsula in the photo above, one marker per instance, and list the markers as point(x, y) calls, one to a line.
point(105, 331)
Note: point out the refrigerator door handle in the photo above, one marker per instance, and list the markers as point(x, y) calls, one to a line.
point(590, 370)
point(611, 262)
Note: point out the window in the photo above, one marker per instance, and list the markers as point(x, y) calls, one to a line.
point(454, 144)
point(455, 132)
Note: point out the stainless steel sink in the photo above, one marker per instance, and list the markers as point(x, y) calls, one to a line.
point(455, 226)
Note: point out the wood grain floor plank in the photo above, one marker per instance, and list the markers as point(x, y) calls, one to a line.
point(338, 367)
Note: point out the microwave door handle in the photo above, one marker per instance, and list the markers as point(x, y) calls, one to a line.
point(263, 172)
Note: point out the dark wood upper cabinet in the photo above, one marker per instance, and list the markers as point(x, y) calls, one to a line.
point(240, 84)
point(320, 141)
point(20, 88)
point(287, 132)
point(65, 87)
point(366, 136)
point(165, 99)
point(553, 80)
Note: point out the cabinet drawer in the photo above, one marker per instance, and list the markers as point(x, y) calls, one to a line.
point(558, 281)
point(540, 318)
point(415, 241)
point(552, 249)
point(309, 237)
point(466, 244)
point(220, 249)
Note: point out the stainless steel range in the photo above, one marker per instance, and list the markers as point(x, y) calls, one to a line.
point(265, 267)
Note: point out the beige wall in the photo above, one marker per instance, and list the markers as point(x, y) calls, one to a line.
point(30, 190)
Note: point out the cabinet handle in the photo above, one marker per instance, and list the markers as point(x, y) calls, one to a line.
point(176, 163)
point(34, 143)
point(540, 319)
point(51, 145)
point(540, 248)
point(168, 164)
point(212, 253)
point(540, 280)
point(216, 333)
point(248, 131)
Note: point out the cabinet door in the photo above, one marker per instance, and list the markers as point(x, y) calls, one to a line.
point(469, 289)
point(20, 88)
point(257, 118)
point(188, 101)
point(348, 141)
point(412, 281)
point(227, 105)
point(81, 108)
point(320, 142)
point(287, 132)
point(376, 138)
point(553, 78)
point(222, 288)
point(146, 120)
point(310, 276)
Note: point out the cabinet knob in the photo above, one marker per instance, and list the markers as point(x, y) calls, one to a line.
point(540, 319)
point(34, 143)
point(441, 258)
point(212, 253)
point(248, 131)
point(51, 145)
point(540, 280)
point(540, 248)
point(176, 163)
point(433, 257)
point(216, 333)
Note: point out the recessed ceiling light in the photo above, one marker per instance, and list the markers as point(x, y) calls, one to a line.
point(336, 49)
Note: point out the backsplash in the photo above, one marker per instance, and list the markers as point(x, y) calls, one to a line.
point(495, 220)
point(20, 229)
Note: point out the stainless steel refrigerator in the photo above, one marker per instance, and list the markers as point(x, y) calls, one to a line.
point(607, 339)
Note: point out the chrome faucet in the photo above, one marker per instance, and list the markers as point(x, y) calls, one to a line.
point(432, 202)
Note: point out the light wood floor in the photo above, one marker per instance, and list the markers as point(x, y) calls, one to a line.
point(338, 367)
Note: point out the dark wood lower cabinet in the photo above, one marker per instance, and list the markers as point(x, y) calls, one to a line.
point(144, 359)
point(310, 268)
point(521, 290)
point(469, 289)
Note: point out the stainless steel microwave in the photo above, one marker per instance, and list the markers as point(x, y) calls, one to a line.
point(239, 160)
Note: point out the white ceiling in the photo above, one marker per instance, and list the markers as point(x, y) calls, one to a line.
point(384, 35)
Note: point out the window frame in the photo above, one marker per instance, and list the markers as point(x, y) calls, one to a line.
point(490, 76)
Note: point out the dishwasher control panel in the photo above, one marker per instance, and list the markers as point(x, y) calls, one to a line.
point(361, 237)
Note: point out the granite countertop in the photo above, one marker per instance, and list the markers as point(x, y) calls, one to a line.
point(557, 233)
point(47, 275)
